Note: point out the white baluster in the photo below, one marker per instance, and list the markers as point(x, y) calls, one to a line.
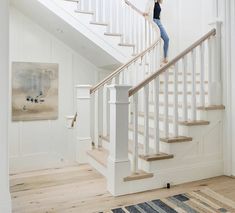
point(202, 75)
point(137, 35)
point(135, 153)
point(156, 117)
point(145, 34)
point(105, 111)
point(185, 89)
point(101, 13)
point(86, 5)
point(193, 94)
point(108, 15)
point(176, 111)
point(95, 10)
point(114, 15)
point(210, 54)
point(96, 118)
point(146, 120)
point(79, 8)
point(166, 104)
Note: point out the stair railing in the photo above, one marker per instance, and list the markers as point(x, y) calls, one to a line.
point(202, 59)
point(136, 29)
point(122, 19)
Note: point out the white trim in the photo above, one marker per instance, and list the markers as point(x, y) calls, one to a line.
point(5, 198)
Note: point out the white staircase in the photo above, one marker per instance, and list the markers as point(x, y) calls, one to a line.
point(151, 125)
point(113, 25)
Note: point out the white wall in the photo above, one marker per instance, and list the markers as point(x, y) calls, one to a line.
point(5, 199)
point(42, 144)
point(184, 20)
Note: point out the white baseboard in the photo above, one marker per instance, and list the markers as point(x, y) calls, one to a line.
point(174, 176)
point(37, 162)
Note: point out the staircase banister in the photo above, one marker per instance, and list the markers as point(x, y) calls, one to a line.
point(138, 87)
point(141, 13)
point(134, 7)
point(120, 69)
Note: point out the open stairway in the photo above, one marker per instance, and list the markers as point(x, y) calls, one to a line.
point(151, 125)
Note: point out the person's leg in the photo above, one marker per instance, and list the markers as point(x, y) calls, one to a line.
point(164, 36)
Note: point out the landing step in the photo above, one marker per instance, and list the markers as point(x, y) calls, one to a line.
point(179, 139)
point(194, 123)
point(155, 157)
point(99, 23)
point(112, 34)
point(84, 12)
point(100, 155)
point(138, 176)
point(214, 107)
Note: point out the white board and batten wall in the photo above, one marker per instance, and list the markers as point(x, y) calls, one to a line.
point(184, 20)
point(43, 144)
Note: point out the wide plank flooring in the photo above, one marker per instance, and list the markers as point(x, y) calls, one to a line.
point(81, 189)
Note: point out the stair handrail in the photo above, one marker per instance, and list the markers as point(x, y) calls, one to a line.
point(163, 69)
point(133, 60)
point(141, 13)
point(120, 69)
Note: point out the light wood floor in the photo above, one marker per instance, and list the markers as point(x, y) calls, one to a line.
point(83, 190)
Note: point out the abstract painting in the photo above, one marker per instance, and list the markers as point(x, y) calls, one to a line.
point(34, 91)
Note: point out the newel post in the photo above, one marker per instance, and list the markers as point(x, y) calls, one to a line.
point(215, 84)
point(118, 161)
point(84, 141)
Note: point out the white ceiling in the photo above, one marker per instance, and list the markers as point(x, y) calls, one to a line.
point(66, 33)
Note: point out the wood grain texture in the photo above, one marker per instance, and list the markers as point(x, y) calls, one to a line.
point(82, 189)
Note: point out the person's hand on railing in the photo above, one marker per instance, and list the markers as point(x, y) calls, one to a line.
point(145, 14)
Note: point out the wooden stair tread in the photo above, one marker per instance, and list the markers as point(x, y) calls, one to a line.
point(156, 157)
point(181, 82)
point(151, 157)
point(84, 12)
point(194, 123)
point(113, 34)
point(138, 176)
point(179, 139)
point(126, 45)
point(100, 155)
point(99, 23)
point(76, 1)
point(213, 107)
point(181, 93)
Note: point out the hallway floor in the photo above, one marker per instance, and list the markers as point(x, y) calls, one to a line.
point(81, 189)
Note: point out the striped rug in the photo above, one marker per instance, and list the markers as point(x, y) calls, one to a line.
point(201, 201)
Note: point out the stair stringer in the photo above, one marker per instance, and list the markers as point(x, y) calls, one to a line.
point(81, 22)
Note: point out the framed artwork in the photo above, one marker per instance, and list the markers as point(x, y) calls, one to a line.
point(34, 91)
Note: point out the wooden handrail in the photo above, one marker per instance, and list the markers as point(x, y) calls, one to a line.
point(171, 63)
point(120, 69)
point(141, 13)
point(134, 7)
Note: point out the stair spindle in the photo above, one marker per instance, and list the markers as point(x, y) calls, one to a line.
point(135, 152)
point(176, 110)
point(156, 116)
point(193, 94)
point(202, 75)
point(166, 104)
point(146, 120)
point(185, 89)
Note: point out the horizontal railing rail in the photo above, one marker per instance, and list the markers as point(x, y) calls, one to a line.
point(120, 69)
point(138, 87)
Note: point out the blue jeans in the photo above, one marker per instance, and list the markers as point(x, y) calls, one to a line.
point(164, 36)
